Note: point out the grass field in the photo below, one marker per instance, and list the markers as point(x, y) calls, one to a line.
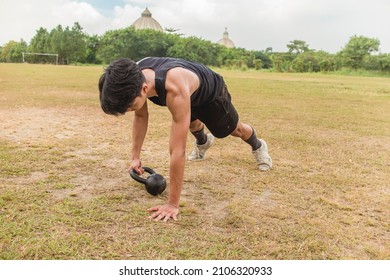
point(65, 192)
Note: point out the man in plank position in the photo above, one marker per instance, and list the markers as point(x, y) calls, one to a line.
point(195, 95)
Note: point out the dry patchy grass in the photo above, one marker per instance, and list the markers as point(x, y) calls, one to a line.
point(65, 192)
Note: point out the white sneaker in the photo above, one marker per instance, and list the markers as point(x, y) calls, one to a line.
point(200, 150)
point(262, 157)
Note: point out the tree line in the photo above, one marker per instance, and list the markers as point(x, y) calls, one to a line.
point(74, 46)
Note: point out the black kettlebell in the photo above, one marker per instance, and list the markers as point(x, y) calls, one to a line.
point(155, 183)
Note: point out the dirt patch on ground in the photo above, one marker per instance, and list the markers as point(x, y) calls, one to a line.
point(42, 125)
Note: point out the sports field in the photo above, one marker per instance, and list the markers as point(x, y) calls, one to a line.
point(65, 192)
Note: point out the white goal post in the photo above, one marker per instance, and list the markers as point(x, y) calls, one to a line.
point(45, 54)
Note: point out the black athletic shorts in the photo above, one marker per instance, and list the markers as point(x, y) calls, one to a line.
point(219, 116)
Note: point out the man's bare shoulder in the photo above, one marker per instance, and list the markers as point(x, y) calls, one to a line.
point(179, 78)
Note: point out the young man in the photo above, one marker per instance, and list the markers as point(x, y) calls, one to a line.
point(196, 97)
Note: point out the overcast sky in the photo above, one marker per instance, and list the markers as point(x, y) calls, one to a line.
point(252, 24)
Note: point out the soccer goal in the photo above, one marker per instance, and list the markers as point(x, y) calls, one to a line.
point(27, 54)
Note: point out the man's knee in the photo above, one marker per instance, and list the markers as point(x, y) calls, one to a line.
point(196, 125)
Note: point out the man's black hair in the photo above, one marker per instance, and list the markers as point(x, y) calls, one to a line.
point(119, 85)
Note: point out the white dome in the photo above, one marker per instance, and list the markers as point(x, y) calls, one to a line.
point(147, 22)
point(225, 41)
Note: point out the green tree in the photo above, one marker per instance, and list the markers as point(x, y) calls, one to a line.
point(236, 58)
point(134, 44)
point(297, 47)
point(195, 49)
point(153, 43)
point(54, 44)
point(12, 51)
point(110, 46)
point(313, 61)
point(39, 43)
point(68, 43)
point(327, 61)
point(225, 56)
point(371, 62)
point(74, 42)
point(262, 58)
point(384, 62)
point(282, 62)
point(306, 62)
point(357, 48)
point(92, 45)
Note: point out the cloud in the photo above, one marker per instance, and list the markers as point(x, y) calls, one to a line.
point(71, 11)
point(125, 16)
point(258, 24)
point(252, 24)
point(25, 17)
point(89, 18)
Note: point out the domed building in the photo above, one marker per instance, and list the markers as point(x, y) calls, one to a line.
point(225, 41)
point(147, 22)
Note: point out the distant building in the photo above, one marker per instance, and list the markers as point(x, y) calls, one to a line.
point(147, 22)
point(225, 41)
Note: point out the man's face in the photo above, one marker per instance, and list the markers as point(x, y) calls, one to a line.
point(138, 102)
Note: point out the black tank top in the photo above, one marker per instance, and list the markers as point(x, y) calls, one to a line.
point(210, 84)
